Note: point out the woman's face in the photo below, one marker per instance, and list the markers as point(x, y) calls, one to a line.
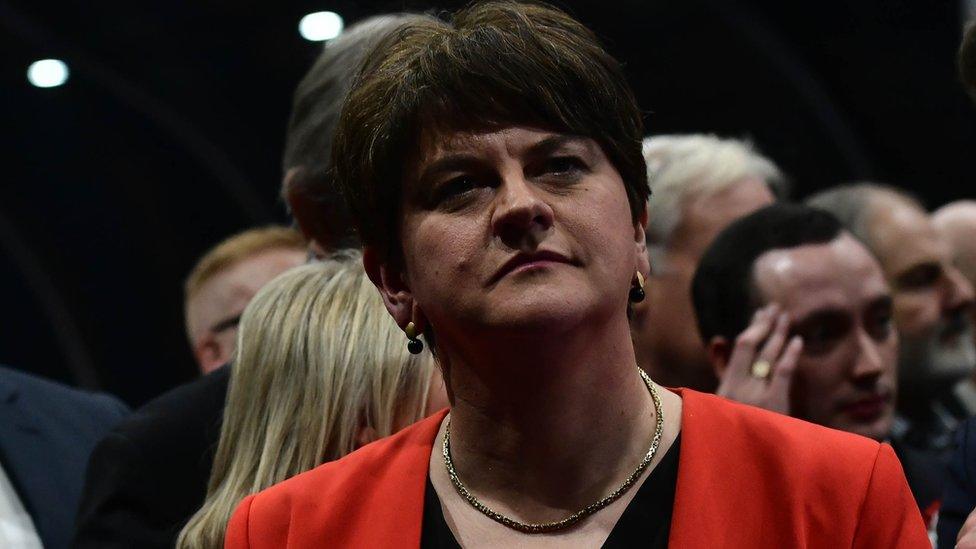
point(517, 229)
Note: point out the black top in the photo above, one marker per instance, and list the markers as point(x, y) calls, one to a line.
point(149, 475)
point(960, 486)
point(646, 522)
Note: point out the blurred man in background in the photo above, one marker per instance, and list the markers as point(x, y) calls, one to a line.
point(47, 431)
point(956, 223)
point(699, 184)
point(960, 493)
point(932, 305)
point(797, 318)
point(223, 282)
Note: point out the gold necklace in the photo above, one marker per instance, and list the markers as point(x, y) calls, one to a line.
point(540, 528)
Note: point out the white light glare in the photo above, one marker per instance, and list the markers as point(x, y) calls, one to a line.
point(321, 25)
point(47, 73)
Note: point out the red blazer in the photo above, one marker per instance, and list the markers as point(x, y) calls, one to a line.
point(746, 478)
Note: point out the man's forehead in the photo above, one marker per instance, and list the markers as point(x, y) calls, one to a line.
point(904, 235)
point(819, 271)
point(892, 219)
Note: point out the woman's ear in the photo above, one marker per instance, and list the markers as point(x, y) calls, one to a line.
point(640, 240)
point(390, 281)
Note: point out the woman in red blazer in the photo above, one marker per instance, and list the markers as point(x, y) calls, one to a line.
point(494, 168)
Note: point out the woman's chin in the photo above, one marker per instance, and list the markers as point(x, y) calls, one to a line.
point(531, 312)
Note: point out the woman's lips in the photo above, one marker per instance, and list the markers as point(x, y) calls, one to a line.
point(528, 261)
point(533, 265)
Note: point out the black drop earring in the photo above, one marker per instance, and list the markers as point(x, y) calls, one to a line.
point(637, 289)
point(414, 345)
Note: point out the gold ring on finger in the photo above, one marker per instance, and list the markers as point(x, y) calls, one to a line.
point(760, 369)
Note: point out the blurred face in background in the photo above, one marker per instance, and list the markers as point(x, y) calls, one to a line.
point(956, 224)
point(665, 331)
point(837, 301)
point(932, 300)
point(214, 310)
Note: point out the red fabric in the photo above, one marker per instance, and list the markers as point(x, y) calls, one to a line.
point(746, 478)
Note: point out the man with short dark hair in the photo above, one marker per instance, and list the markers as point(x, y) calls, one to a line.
point(797, 318)
point(932, 305)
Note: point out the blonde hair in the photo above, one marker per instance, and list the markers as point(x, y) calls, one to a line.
point(684, 167)
point(318, 359)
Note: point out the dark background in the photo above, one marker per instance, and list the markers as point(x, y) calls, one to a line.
point(168, 135)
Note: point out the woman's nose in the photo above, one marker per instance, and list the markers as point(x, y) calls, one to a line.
point(522, 217)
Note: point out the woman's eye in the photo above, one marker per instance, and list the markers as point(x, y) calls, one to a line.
point(455, 192)
point(456, 186)
point(563, 165)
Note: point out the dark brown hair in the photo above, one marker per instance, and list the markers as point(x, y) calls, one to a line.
point(493, 64)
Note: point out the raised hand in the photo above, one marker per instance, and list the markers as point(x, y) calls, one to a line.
point(758, 373)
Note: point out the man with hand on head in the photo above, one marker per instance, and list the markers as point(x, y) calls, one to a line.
point(797, 318)
point(699, 184)
point(932, 307)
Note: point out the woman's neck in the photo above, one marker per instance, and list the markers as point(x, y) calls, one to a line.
point(551, 425)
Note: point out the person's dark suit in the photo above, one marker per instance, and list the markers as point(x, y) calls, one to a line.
point(960, 485)
point(149, 475)
point(47, 431)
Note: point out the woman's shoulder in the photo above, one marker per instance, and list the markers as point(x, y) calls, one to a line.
point(767, 431)
point(777, 445)
point(787, 480)
point(382, 475)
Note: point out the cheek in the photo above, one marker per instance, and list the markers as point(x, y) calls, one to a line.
point(439, 249)
point(889, 354)
point(599, 220)
point(820, 377)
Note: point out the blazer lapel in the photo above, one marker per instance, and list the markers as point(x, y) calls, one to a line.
point(707, 497)
point(400, 503)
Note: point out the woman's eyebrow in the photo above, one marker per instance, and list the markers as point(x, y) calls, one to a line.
point(554, 143)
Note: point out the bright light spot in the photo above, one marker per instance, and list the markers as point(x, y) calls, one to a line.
point(321, 25)
point(47, 73)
